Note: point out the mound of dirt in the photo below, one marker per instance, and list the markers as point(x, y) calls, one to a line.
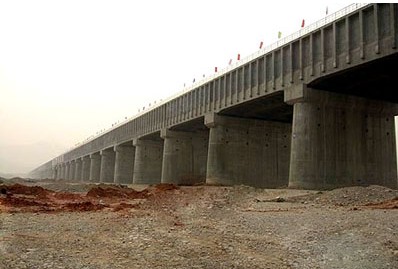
point(123, 206)
point(350, 196)
point(82, 206)
point(165, 187)
point(21, 198)
point(67, 196)
point(120, 192)
point(25, 190)
point(67, 186)
point(20, 202)
point(389, 204)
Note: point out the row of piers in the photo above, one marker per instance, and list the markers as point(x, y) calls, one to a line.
point(333, 140)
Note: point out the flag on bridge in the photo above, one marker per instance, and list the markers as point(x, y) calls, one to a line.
point(230, 61)
point(279, 34)
point(215, 69)
point(302, 23)
point(238, 56)
point(327, 10)
point(261, 44)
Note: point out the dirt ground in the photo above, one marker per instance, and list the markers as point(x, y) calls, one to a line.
point(72, 225)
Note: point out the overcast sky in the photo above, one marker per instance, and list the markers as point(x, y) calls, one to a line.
point(71, 68)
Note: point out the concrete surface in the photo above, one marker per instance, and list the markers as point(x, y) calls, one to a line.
point(107, 172)
point(184, 157)
point(250, 152)
point(148, 161)
point(95, 167)
point(124, 163)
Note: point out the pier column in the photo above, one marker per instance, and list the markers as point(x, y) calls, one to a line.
point(78, 169)
point(124, 163)
point(95, 167)
point(247, 151)
point(86, 162)
point(67, 170)
point(58, 172)
point(72, 170)
point(54, 170)
point(148, 161)
point(184, 157)
point(63, 171)
point(340, 140)
point(107, 165)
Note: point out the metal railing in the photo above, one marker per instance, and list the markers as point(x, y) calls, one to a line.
point(281, 42)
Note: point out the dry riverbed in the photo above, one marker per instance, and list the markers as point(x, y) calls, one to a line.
point(74, 225)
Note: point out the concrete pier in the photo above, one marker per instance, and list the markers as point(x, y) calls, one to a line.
point(124, 163)
point(78, 169)
point(184, 157)
point(67, 169)
point(72, 170)
point(59, 172)
point(95, 167)
point(107, 165)
point(54, 172)
point(86, 162)
point(63, 171)
point(340, 140)
point(246, 151)
point(148, 161)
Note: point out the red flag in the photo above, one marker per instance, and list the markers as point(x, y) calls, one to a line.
point(230, 61)
point(261, 44)
point(302, 23)
point(238, 57)
point(215, 69)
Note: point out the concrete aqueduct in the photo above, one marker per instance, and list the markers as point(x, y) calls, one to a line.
point(316, 110)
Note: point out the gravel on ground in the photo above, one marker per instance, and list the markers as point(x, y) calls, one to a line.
point(166, 226)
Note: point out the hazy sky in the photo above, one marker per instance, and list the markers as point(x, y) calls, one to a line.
point(71, 68)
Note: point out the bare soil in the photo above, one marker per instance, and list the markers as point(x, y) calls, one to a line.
point(74, 225)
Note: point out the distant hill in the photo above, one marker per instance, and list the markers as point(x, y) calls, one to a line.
point(17, 160)
point(11, 175)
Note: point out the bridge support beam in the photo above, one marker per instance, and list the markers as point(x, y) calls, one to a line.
point(95, 167)
point(78, 169)
point(124, 163)
point(67, 168)
point(72, 167)
point(86, 162)
point(63, 171)
point(57, 172)
point(340, 140)
point(148, 161)
point(73, 170)
point(54, 171)
point(184, 157)
point(107, 173)
point(70, 171)
point(246, 151)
